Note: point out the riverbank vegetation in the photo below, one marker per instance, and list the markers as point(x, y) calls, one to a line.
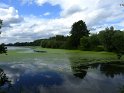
point(80, 38)
point(76, 56)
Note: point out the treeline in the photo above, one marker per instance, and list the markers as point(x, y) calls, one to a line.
point(80, 38)
point(59, 41)
point(108, 39)
point(79, 29)
point(34, 43)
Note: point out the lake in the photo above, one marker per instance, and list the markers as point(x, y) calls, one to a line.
point(53, 72)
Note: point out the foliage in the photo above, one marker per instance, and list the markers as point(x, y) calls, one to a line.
point(112, 40)
point(89, 43)
point(3, 49)
point(99, 48)
point(58, 41)
point(34, 43)
point(105, 37)
point(118, 43)
point(94, 41)
point(85, 43)
point(78, 30)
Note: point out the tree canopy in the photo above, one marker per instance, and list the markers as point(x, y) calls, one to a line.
point(78, 30)
point(112, 40)
point(105, 37)
point(118, 43)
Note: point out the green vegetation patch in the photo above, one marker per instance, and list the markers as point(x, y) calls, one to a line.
point(57, 55)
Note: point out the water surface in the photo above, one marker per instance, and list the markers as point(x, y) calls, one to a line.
point(60, 75)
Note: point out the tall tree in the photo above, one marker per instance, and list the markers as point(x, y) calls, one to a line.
point(105, 37)
point(78, 30)
point(3, 49)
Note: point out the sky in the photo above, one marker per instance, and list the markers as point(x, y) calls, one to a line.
point(28, 20)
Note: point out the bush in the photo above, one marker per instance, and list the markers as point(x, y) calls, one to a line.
point(99, 48)
point(3, 49)
point(84, 43)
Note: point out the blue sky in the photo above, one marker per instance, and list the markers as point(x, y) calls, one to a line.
point(33, 9)
point(27, 20)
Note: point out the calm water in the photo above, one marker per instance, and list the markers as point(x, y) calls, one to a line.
point(41, 77)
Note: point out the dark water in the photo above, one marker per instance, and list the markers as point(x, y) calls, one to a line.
point(94, 78)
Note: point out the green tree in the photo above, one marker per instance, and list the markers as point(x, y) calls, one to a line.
point(3, 49)
point(105, 37)
point(113, 40)
point(84, 43)
point(78, 30)
point(57, 41)
point(118, 43)
point(94, 41)
point(91, 43)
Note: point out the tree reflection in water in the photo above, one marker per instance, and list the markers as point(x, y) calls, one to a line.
point(110, 69)
point(79, 70)
point(5, 83)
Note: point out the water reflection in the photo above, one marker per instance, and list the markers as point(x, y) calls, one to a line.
point(17, 48)
point(30, 78)
point(111, 70)
point(36, 78)
point(108, 69)
point(31, 82)
point(79, 70)
point(5, 83)
point(21, 49)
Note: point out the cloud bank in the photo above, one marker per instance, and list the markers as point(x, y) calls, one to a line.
point(97, 14)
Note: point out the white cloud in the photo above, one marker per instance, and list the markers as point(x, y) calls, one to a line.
point(96, 13)
point(89, 10)
point(46, 14)
point(9, 15)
